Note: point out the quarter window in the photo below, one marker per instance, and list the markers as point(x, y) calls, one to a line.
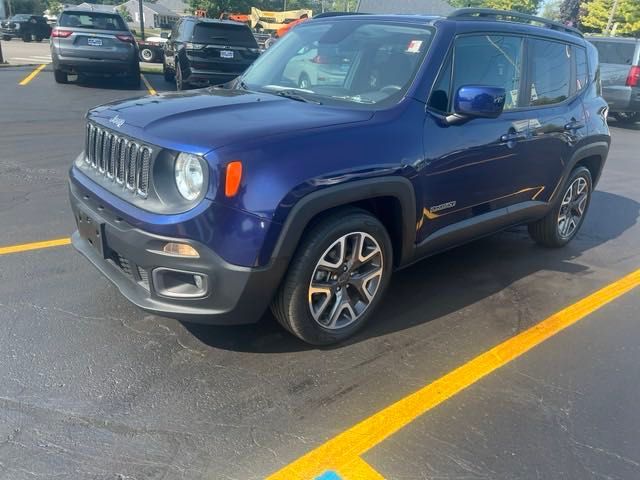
point(489, 60)
point(550, 72)
point(582, 71)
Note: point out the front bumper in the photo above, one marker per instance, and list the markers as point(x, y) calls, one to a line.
point(11, 33)
point(128, 257)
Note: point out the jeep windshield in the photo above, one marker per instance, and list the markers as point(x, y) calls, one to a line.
point(353, 61)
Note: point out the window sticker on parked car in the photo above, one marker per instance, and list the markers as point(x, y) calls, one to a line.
point(414, 46)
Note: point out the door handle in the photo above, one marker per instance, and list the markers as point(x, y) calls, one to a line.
point(574, 125)
point(512, 137)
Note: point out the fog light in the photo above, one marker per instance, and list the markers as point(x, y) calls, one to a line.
point(180, 250)
point(198, 281)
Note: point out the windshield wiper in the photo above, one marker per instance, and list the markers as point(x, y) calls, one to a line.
point(294, 95)
point(356, 99)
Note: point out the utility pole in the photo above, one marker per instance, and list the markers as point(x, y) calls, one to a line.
point(1, 57)
point(10, 9)
point(141, 19)
point(612, 14)
point(284, 8)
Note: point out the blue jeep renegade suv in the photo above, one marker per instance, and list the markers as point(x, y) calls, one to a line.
point(304, 194)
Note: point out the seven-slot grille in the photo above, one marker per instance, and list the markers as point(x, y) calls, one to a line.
point(120, 159)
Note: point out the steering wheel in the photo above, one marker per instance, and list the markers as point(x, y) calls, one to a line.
point(391, 89)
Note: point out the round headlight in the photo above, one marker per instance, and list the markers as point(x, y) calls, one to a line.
point(189, 175)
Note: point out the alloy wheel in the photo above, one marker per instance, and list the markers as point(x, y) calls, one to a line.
point(346, 280)
point(574, 204)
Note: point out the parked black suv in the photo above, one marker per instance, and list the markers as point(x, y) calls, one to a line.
point(208, 52)
point(25, 26)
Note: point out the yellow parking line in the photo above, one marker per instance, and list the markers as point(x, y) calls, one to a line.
point(32, 75)
point(148, 85)
point(25, 247)
point(340, 453)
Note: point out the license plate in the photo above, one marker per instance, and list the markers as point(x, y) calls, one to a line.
point(94, 42)
point(226, 53)
point(91, 230)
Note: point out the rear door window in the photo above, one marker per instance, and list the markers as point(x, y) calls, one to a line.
point(550, 72)
point(223, 34)
point(92, 20)
point(618, 53)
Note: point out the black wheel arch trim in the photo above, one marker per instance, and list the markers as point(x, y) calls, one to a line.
point(320, 201)
point(599, 149)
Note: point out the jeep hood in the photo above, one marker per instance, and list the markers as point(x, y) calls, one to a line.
point(200, 121)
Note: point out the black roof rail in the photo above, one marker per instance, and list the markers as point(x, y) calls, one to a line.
point(336, 14)
point(509, 15)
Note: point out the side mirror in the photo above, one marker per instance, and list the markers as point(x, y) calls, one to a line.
point(477, 101)
point(165, 35)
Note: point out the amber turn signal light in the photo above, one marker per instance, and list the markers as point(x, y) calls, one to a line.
point(180, 250)
point(233, 178)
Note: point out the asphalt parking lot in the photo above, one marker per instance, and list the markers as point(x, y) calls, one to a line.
point(93, 388)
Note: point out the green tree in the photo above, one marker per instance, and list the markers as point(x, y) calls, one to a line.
point(570, 12)
point(625, 20)
point(36, 7)
point(54, 7)
point(122, 10)
point(551, 10)
point(523, 6)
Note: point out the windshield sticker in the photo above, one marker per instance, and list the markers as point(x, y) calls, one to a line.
point(414, 46)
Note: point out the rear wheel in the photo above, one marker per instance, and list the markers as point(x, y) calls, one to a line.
point(169, 76)
point(563, 222)
point(180, 83)
point(627, 117)
point(38, 39)
point(133, 80)
point(60, 76)
point(336, 279)
point(147, 55)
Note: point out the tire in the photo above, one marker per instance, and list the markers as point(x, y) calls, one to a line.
point(169, 76)
point(180, 83)
point(304, 81)
point(627, 118)
point(6, 38)
point(60, 76)
point(344, 303)
point(550, 231)
point(39, 39)
point(26, 37)
point(147, 55)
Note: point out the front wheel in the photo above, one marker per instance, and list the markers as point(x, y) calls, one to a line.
point(336, 279)
point(563, 222)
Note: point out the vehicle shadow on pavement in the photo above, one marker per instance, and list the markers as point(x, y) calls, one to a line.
point(450, 281)
point(624, 126)
point(120, 84)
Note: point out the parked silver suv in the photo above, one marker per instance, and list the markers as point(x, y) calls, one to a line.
point(620, 73)
point(91, 42)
